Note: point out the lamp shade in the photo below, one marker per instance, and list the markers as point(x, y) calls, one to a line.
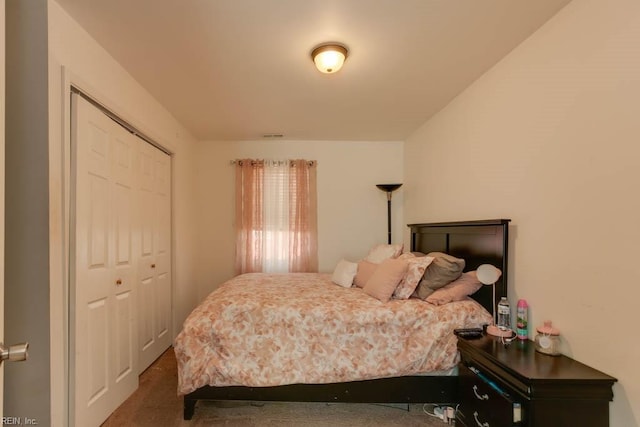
point(388, 187)
point(488, 274)
point(329, 57)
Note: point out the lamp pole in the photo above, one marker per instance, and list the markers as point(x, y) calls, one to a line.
point(388, 188)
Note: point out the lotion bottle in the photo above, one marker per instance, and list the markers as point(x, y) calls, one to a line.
point(522, 322)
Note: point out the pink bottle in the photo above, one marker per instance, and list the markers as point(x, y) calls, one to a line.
point(521, 320)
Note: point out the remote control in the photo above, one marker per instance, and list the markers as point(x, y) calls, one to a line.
point(462, 330)
point(468, 332)
point(469, 335)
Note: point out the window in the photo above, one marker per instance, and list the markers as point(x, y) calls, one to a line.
point(276, 216)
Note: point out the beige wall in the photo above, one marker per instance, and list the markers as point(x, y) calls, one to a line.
point(352, 213)
point(549, 138)
point(88, 65)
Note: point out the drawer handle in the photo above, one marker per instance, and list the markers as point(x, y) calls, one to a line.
point(483, 397)
point(475, 415)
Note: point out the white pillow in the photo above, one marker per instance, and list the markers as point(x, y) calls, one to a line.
point(344, 273)
point(379, 253)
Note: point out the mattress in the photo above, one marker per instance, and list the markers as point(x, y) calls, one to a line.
point(262, 329)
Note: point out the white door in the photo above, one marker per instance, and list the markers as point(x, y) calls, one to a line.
point(104, 369)
point(154, 275)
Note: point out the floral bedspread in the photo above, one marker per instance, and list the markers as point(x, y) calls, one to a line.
point(262, 329)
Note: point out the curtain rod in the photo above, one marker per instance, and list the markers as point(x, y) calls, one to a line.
point(236, 161)
point(119, 120)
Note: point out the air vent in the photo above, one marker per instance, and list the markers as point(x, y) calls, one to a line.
point(272, 135)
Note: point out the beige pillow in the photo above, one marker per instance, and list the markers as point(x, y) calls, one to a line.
point(416, 267)
point(385, 279)
point(379, 253)
point(365, 270)
point(443, 269)
point(467, 284)
point(344, 273)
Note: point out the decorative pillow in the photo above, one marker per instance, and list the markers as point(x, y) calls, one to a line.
point(416, 267)
point(385, 279)
point(344, 273)
point(407, 256)
point(365, 270)
point(467, 284)
point(443, 269)
point(379, 253)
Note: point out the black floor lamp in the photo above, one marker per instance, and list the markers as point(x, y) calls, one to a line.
point(389, 188)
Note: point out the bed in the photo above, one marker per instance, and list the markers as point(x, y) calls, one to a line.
point(399, 381)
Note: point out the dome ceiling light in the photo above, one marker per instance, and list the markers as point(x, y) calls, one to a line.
point(329, 57)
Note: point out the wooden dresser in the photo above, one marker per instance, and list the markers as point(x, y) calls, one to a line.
point(514, 385)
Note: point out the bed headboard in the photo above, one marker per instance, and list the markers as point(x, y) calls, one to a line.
point(477, 242)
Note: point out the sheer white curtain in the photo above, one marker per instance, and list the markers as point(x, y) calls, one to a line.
point(276, 216)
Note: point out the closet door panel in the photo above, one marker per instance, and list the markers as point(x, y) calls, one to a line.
point(124, 334)
point(123, 230)
point(155, 253)
point(147, 214)
point(97, 379)
point(147, 221)
point(125, 351)
point(103, 356)
point(146, 311)
point(146, 209)
point(90, 290)
point(94, 291)
point(94, 251)
point(124, 208)
point(163, 246)
point(163, 301)
point(146, 167)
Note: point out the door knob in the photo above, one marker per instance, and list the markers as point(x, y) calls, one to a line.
point(14, 353)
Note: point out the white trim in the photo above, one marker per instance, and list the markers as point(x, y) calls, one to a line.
point(2, 182)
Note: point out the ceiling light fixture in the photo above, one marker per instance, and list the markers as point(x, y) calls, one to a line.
point(329, 57)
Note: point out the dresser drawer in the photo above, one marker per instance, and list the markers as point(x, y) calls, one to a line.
point(482, 404)
point(554, 391)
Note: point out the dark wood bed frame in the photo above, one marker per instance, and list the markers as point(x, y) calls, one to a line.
point(478, 242)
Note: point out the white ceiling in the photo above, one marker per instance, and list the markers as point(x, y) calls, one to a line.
point(239, 69)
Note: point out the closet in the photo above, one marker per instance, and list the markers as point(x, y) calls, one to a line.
point(120, 255)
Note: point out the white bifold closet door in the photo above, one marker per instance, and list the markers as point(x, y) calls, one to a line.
point(104, 357)
point(120, 274)
point(154, 253)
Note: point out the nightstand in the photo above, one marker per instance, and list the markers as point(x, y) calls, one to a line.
point(514, 385)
